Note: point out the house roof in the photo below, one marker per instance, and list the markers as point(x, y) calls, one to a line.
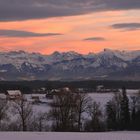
point(2, 96)
point(14, 92)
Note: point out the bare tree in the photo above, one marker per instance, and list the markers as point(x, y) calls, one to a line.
point(24, 111)
point(82, 102)
point(67, 110)
point(134, 103)
point(39, 122)
point(62, 112)
point(95, 113)
point(111, 115)
point(135, 111)
point(117, 105)
point(3, 113)
point(125, 111)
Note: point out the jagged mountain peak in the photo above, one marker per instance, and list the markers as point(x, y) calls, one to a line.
point(70, 65)
point(124, 55)
point(57, 53)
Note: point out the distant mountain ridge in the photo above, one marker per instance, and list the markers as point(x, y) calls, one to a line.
point(105, 65)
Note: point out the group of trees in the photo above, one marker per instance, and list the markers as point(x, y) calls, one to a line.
point(67, 110)
point(123, 113)
point(120, 113)
point(19, 115)
point(73, 112)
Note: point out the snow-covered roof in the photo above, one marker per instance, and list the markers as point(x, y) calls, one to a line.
point(14, 92)
point(2, 96)
point(66, 89)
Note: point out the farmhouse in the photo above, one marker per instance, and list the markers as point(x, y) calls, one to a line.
point(2, 96)
point(52, 93)
point(57, 92)
point(35, 99)
point(13, 95)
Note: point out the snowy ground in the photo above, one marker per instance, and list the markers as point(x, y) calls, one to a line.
point(69, 136)
point(101, 98)
point(44, 106)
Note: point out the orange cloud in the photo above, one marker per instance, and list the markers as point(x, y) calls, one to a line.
point(75, 30)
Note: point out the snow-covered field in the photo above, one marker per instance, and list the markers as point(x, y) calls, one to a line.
point(101, 98)
point(44, 106)
point(69, 136)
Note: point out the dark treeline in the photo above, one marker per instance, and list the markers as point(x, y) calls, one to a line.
point(123, 113)
point(28, 86)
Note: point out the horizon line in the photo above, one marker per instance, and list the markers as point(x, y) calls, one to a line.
point(72, 51)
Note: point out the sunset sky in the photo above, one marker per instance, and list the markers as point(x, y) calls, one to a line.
point(83, 26)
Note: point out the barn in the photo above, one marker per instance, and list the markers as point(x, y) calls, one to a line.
point(13, 95)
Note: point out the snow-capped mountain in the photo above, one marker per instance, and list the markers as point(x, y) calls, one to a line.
point(108, 64)
point(124, 55)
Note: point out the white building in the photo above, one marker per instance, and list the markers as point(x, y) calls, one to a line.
point(14, 94)
point(3, 96)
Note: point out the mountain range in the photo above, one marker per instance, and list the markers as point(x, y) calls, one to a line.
point(105, 65)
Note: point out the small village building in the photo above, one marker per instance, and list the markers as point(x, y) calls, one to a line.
point(57, 92)
point(100, 88)
point(35, 99)
point(66, 89)
point(50, 94)
point(80, 90)
point(3, 96)
point(13, 95)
